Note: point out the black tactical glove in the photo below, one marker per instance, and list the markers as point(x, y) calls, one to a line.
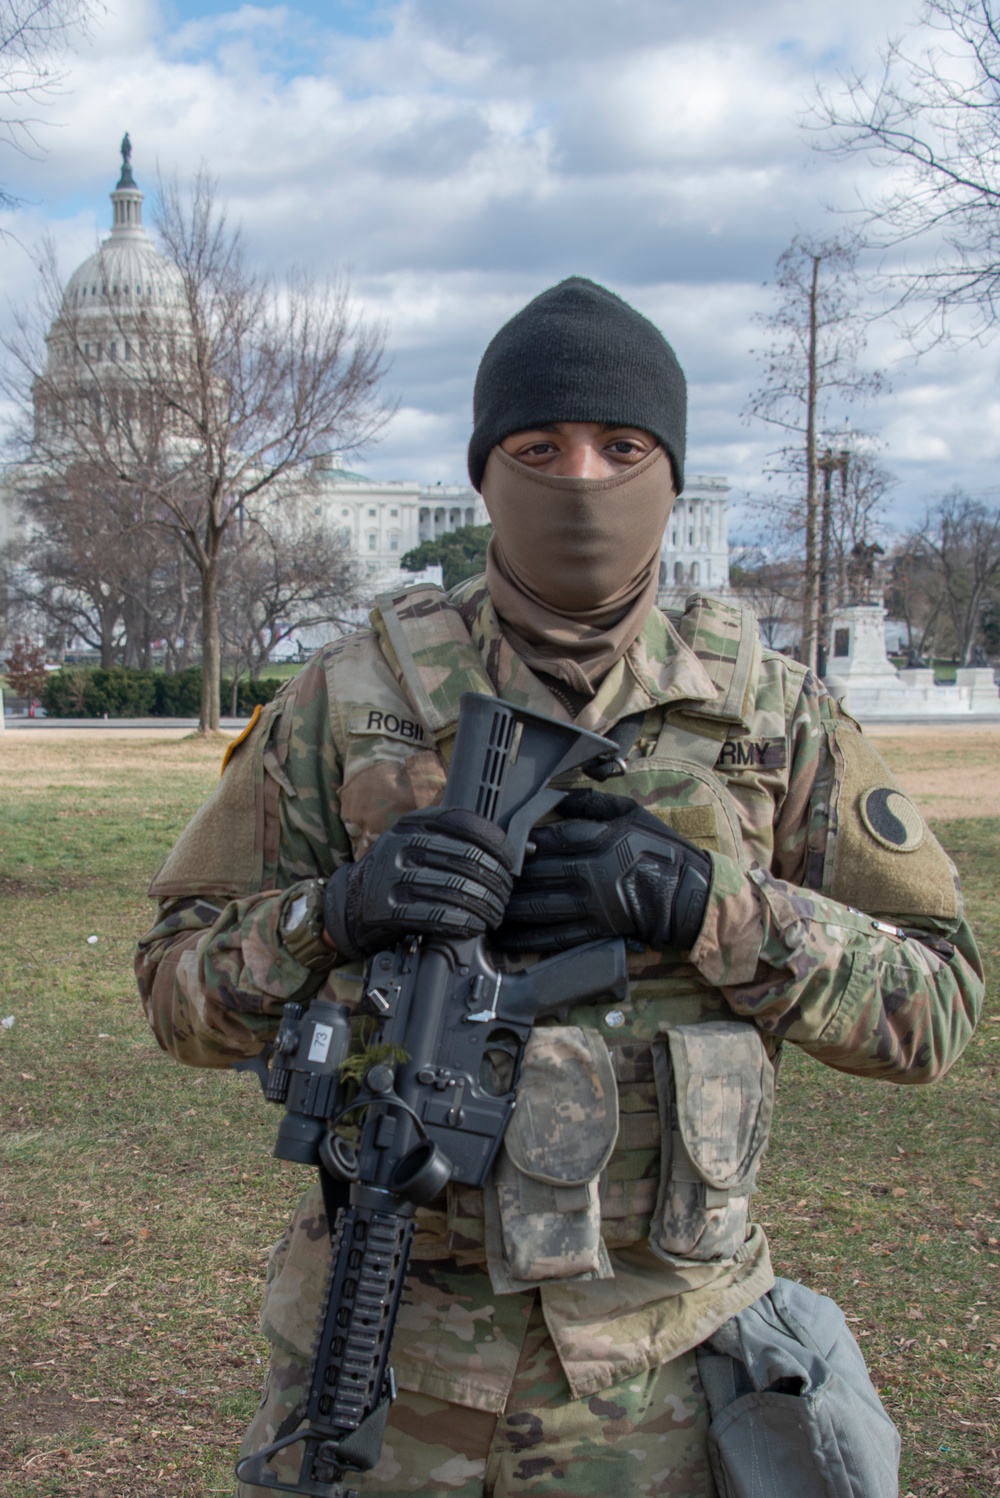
point(609, 869)
point(436, 872)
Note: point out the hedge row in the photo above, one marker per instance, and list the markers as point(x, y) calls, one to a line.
point(125, 692)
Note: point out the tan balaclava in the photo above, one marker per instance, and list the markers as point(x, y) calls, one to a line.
point(573, 564)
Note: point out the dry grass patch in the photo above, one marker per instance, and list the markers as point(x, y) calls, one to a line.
point(951, 772)
point(138, 1198)
point(92, 758)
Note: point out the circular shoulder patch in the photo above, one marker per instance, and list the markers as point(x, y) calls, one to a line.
point(892, 819)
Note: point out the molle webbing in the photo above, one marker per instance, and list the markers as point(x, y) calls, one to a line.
point(436, 657)
point(725, 640)
point(630, 1180)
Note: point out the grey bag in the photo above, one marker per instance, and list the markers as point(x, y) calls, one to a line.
point(794, 1412)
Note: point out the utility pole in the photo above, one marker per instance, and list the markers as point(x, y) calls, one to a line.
point(811, 590)
point(829, 464)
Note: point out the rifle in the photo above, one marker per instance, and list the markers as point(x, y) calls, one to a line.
point(448, 1027)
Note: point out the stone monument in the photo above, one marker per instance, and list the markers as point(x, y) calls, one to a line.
point(862, 676)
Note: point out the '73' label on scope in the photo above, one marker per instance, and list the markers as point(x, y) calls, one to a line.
point(320, 1047)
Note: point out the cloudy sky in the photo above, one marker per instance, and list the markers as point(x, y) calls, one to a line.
point(457, 156)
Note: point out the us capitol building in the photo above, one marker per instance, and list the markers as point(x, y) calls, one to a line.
point(382, 520)
point(387, 519)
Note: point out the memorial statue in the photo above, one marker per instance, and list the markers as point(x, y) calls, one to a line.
point(863, 584)
point(126, 179)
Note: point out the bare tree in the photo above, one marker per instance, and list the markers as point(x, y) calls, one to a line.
point(210, 402)
point(773, 589)
point(816, 336)
point(89, 552)
point(99, 572)
point(962, 537)
point(34, 36)
point(915, 595)
point(857, 513)
point(930, 116)
point(284, 570)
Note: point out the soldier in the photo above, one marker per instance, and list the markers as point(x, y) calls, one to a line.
point(797, 896)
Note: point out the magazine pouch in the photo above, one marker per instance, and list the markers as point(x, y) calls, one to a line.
point(715, 1087)
point(543, 1213)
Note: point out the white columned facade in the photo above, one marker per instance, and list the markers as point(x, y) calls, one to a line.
point(695, 552)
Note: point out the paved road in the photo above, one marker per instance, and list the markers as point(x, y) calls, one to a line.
point(147, 724)
point(928, 720)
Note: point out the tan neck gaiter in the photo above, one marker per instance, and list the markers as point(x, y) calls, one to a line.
point(573, 564)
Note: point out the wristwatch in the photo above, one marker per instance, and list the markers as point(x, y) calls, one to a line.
point(302, 926)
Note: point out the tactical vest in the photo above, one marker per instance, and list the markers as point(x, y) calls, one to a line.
point(684, 767)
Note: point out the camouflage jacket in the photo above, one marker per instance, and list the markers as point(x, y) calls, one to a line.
point(800, 817)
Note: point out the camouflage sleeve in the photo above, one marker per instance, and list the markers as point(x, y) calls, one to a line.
point(866, 999)
point(217, 966)
point(854, 945)
point(212, 982)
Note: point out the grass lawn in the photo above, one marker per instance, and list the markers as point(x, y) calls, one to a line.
point(139, 1198)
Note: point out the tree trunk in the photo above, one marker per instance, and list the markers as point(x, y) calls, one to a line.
point(810, 598)
point(210, 654)
point(108, 639)
point(928, 640)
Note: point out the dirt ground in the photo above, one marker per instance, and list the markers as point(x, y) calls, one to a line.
point(38, 759)
point(950, 771)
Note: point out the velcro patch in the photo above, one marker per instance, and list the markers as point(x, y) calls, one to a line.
point(892, 819)
point(753, 754)
point(386, 724)
point(697, 823)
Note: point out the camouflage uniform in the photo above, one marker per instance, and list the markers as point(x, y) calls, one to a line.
point(739, 750)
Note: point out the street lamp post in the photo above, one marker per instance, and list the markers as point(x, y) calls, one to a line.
point(829, 464)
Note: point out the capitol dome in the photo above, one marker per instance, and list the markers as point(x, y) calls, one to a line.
point(126, 275)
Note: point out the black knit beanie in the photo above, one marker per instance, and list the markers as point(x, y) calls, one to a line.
point(578, 353)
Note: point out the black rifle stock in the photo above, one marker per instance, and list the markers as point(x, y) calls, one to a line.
point(436, 1116)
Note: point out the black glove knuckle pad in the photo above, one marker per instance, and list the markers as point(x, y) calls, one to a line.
point(458, 859)
point(436, 870)
point(612, 869)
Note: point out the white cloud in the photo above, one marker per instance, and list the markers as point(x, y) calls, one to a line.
point(458, 159)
